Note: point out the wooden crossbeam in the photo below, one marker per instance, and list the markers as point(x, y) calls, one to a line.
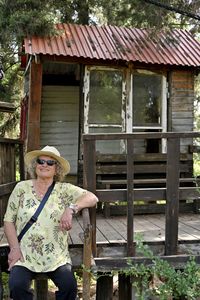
point(7, 188)
point(108, 263)
point(145, 194)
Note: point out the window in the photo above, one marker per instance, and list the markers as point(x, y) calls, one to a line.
point(103, 109)
point(118, 101)
point(105, 97)
point(149, 110)
point(147, 100)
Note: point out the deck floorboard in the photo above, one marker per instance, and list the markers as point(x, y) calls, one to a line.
point(151, 227)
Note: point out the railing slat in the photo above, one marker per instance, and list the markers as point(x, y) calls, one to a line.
point(11, 164)
point(172, 193)
point(87, 253)
point(89, 182)
point(146, 194)
point(130, 199)
point(172, 196)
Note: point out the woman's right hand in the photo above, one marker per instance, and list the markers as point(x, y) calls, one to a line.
point(14, 255)
point(66, 219)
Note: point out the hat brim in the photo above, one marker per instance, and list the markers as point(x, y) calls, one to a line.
point(33, 154)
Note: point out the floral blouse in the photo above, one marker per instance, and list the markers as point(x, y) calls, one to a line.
point(44, 245)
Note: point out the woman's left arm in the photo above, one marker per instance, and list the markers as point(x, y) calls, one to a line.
point(86, 200)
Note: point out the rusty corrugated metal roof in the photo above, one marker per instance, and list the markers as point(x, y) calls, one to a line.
point(118, 43)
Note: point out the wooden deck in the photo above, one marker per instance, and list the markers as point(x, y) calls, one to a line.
point(111, 233)
point(152, 227)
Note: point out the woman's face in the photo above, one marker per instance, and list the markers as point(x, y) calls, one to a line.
point(45, 167)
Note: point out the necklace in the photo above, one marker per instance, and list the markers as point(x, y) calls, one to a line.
point(40, 189)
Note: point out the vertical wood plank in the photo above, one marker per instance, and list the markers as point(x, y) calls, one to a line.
point(130, 200)
point(172, 195)
point(124, 287)
point(87, 254)
point(104, 289)
point(34, 109)
point(41, 289)
point(9, 153)
point(21, 161)
point(89, 181)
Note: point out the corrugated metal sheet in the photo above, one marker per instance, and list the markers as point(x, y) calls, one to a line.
point(118, 43)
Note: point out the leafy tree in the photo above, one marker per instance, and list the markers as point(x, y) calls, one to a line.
point(17, 19)
point(20, 18)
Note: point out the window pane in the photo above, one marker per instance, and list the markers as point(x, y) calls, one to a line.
point(105, 97)
point(147, 92)
point(113, 146)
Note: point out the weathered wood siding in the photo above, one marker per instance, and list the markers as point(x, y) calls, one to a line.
point(182, 104)
point(59, 121)
point(7, 172)
point(26, 83)
point(11, 170)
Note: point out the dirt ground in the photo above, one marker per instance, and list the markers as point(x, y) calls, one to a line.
point(51, 295)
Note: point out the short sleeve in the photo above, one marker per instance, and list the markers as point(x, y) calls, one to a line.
point(71, 193)
point(13, 204)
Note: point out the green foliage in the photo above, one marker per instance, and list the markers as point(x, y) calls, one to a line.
point(18, 19)
point(23, 18)
point(196, 157)
point(161, 279)
point(5, 285)
point(146, 15)
point(10, 91)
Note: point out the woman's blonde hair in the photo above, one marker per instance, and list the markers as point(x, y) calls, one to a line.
point(59, 176)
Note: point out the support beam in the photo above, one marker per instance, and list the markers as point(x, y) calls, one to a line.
point(41, 287)
point(105, 287)
point(34, 109)
point(124, 287)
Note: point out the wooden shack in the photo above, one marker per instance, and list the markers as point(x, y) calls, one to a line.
point(101, 93)
point(108, 79)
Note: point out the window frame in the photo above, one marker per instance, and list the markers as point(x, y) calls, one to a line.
point(87, 126)
point(163, 125)
point(127, 102)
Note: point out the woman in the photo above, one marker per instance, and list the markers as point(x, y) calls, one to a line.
point(44, 246)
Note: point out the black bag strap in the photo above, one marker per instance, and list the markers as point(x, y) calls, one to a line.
point(33, 219)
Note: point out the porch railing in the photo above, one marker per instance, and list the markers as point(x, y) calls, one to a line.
point(11, 169)
point(171, 192)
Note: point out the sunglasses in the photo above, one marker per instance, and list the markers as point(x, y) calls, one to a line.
point(49, 162)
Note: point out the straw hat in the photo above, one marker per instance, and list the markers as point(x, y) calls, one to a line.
point(48, 151)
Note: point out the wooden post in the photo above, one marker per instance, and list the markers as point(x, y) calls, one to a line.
point(21, 161)
point(127, 286)
point(124, 287)
point(130, 200)
point(89, 181)
point(107, 205)
point(34, 109)
point(41, 287)
point(87, 263)
point(172, 195)
point(87, 254)
point(104, 289)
